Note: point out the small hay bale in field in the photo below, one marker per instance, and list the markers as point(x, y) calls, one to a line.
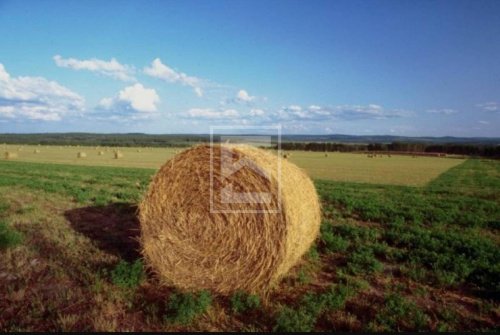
point(118, 155)
point(326, 155)
point(81, 155)
point(10, 155)
point(36, 151)
point(138, 150)
point(100, 153)
point(240, 246)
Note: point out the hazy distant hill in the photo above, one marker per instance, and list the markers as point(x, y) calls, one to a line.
point(138, 139)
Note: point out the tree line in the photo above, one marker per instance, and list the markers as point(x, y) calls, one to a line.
point(179, 140)
point(402, 147)
point(109, 140)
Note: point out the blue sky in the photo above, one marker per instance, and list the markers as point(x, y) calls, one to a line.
point(416, 68)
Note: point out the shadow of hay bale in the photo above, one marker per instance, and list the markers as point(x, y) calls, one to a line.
point(113, 228)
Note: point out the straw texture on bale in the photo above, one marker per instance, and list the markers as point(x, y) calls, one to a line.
point(237, 248)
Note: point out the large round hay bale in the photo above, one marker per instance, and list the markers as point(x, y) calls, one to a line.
point(196, 241)
point(10, 155)
point(118, 155)
point(81, 154)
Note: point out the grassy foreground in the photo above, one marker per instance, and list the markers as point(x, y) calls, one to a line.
point(389, 258)
point(382, 169)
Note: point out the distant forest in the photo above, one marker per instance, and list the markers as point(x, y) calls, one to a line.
point(485, 147)
point(109, 140)
point(483, 150)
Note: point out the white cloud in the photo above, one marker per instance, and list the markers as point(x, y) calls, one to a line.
point(7, 111)
point(340, 112)
point(166, 73)
point(490, 106)
point(36, 98)
point(111, 68)
point(444, 111)
point(209, 113)
point(484, 122)
point(4, 76)
point(257, 112)
point(140, 98)
point(135, 98)
point(244, 96)
point(106, 103)
point(294, 108)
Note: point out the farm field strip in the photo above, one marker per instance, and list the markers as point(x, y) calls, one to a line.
point(394, 170)
point(389, 257)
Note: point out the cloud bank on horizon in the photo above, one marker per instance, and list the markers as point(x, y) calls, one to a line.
point(327, 85)
point(37, 98)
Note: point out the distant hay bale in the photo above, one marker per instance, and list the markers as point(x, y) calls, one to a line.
point(326, 155)
point(138, 150)
point(100, 153)
point(10, 155)
point(118, 155)
point(245, 246)
point(81, 155)
point(285, 156)
point(36, 151)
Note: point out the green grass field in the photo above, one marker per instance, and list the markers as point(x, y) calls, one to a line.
point(390, 256)
point(394, 170)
